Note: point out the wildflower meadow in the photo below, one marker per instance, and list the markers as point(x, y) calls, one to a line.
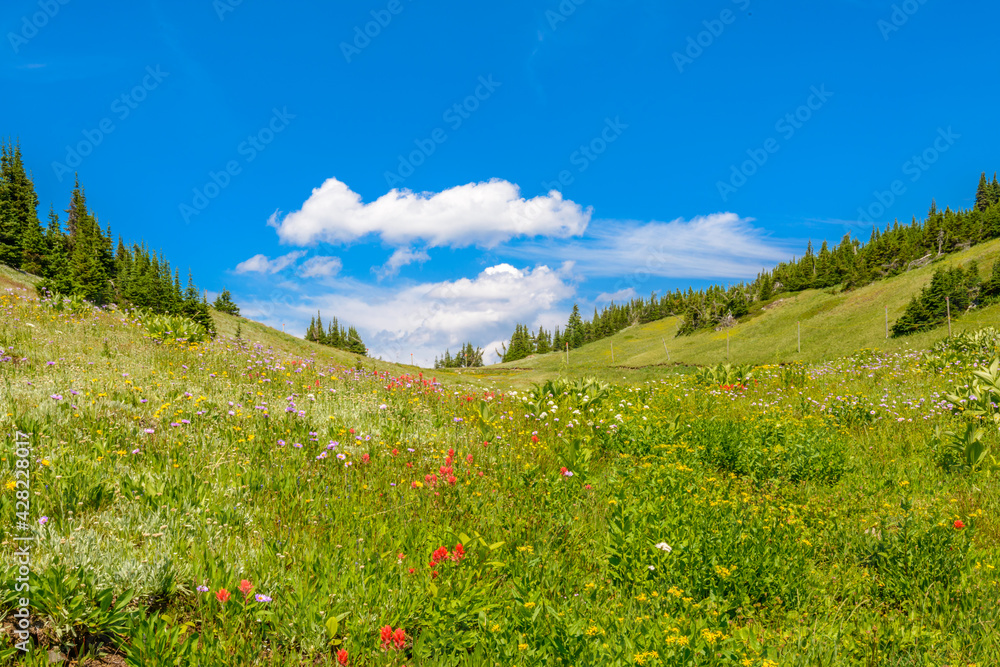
point(244, 501)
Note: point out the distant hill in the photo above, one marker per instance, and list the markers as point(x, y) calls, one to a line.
point(832, 325)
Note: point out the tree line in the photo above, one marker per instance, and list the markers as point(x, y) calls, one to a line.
point(848, 265)
point(79, 259)
point(468, 357)
point(334, 335)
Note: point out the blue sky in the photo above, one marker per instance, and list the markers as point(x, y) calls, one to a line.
point(436, 172)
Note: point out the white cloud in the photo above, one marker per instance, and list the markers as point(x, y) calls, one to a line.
point(721, 245)
point(401, 258)
point(321, 267)
point(482, 214)
point(426, 318)
point(261, 263)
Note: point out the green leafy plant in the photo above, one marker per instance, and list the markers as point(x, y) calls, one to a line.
point(79, 611)
point(725, 374)
point(962, 450)
point(156, 641)
point(171, 328)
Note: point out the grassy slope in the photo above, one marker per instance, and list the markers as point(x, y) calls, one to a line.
point(833, 325)
point(258, 333)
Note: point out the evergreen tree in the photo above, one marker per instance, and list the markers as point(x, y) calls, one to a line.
point(224, 303)
point(954, 289)
point(76, 213)
point(989, 291)
point(574, 333)
point(994, 192)
point(20, 230)
point(57, 273)
point(984, 194)
point(543, 343)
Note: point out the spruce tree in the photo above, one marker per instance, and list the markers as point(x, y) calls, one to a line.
point(76, 213)
point(20, 230)
point(224, 303)
point(983, 194)
point(574, 334)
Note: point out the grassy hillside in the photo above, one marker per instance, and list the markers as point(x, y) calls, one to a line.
point(832, 325)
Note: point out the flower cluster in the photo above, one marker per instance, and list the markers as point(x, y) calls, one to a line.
point(393, 638)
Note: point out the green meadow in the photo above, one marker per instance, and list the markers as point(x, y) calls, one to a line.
point(261, 500)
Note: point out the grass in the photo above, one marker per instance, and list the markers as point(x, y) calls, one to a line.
point(269, 501)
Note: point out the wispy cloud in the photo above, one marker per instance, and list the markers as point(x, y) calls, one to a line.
point(321, 267)
point(261, 263)
point(721, 245)
point(400, 258)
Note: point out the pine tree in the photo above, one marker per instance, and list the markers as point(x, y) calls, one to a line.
point(320, 331)
point(20, 230)
point(543, 344)
point(33, 249)
point(356, 345)
point(989, 292)
point(224, 303)
point(76, 213)
point(335, 335)
point(574, 334)
point(983, 194)
point(57, 273)
point(955, 288)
